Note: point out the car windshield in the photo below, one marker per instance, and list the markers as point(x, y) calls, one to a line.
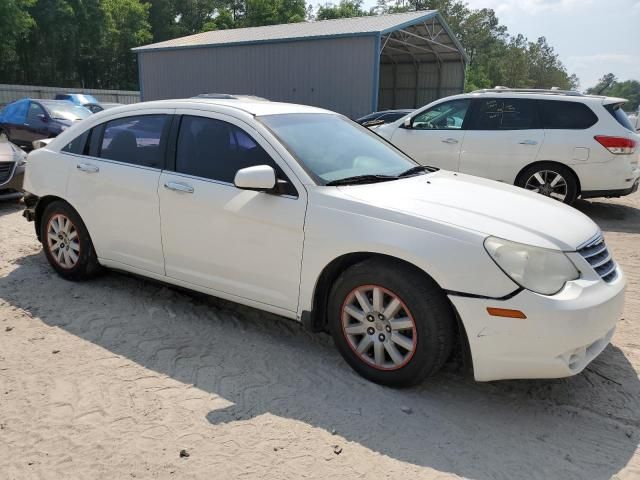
point(333, 148)
point(66, 110)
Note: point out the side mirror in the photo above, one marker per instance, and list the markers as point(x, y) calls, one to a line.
point(407, 122)
point(261, 178)
point(43, 117)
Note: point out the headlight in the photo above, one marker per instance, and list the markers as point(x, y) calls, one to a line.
point(537, 269)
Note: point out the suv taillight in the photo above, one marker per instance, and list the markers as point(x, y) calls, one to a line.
point(617, 145)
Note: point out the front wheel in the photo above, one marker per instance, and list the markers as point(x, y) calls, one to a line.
point(551, 180)
point(66, 243)
point(391, 324)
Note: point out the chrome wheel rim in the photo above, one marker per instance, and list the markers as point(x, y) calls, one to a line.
point(63, 241)
point(379, 327)
point(548, 183)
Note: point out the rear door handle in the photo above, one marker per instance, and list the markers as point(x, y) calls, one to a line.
point(88, 168)
point(529, 142)
point(179, 187)
point(450, 140)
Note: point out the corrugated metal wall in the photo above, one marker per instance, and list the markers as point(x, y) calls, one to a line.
point(10, 93)
point(336, 74)
point(401, 91)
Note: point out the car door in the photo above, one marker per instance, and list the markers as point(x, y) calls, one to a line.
point(114, 186)
point(243, 243)
point(504, 136)
point(435, 135)
point(37, 123)
point(15, 120)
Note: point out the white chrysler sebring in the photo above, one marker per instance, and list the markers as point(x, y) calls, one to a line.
point(303, 213)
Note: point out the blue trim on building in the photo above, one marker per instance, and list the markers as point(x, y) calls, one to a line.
point(376, 73)
point(140, 50)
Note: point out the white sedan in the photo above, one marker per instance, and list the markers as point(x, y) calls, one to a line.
point(301, 212)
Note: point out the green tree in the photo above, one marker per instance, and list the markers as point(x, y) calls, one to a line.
point(15, 23)
point(345, 9)
point(610, 86)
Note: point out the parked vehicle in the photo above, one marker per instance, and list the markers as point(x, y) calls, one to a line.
point(301, 212)
point(29, 119)
point(561, 144)
point(87, 101)
point(384, 116)
point(108, 105)
point(12, 163)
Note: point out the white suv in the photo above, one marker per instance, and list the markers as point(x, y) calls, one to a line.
point(301, 212)
point(561, 144)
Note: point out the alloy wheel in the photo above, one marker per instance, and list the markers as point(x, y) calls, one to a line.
point(63, 241)
point(548, 183)
point(379, 327)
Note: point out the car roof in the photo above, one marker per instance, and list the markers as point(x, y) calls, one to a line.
point(255, 108)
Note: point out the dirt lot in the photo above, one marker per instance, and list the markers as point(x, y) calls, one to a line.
point(113, 378)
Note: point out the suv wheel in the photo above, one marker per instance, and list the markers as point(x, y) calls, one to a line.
point(66, 243)
point(391, 324)
point(551, 180)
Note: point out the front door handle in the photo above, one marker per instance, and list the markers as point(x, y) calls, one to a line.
point(179, 187)
point(450, 140)
point(88, 168)
point(529, 142)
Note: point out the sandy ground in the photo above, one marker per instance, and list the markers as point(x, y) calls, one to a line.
point(113, 378)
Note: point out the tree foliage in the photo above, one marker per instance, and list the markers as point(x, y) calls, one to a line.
point(88, 42)
point(610, 86)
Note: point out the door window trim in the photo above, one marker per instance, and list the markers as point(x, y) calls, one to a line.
point(171, 154)
point(465, 121)
point(473, 120)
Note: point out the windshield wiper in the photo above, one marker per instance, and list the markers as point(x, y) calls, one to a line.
point(361, 179)
point(417, 169)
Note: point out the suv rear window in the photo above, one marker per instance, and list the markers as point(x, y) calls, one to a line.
point(623, 119)
point(561, 115)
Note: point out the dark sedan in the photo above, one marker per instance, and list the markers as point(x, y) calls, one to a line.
point(28, 119)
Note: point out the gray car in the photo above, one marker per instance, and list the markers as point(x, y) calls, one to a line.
point(12, 165)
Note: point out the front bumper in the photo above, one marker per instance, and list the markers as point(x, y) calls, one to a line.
point(561, 335)
point(16, 180)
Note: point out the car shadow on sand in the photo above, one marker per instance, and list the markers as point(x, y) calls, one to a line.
point(611, 217)
point(582, 427)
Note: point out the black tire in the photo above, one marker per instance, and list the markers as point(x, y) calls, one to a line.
point(86, 266)
point(432, 315)
point(569, 177)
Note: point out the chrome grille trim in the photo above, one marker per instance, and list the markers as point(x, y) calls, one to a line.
point(6, 171)
point(596, 253)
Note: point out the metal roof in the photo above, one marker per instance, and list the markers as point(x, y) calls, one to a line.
point(344, 27)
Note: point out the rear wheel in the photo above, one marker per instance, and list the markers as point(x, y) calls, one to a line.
point(392, 325)
point(66, 243)
point(551, 180)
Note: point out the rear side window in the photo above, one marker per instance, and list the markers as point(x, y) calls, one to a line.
point(136, 140)
point(78, 145)
point(216, 150)
point(619, 114)
point(559, 115)
point(505, 114)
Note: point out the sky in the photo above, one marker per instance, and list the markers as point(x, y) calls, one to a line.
point(592, 37)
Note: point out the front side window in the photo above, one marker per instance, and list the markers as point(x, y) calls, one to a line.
point(557, 114)
point(505, 114)
point(136, 140)
point(445, 116)
point(35, 113)
point(216, 150)
point(332, 148)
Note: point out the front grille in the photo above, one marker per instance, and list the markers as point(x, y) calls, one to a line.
point(5, 171)
point(597, 254)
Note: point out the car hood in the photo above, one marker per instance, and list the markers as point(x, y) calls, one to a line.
point(482, 205)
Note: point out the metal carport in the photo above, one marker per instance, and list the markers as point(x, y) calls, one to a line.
point(353, 65)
